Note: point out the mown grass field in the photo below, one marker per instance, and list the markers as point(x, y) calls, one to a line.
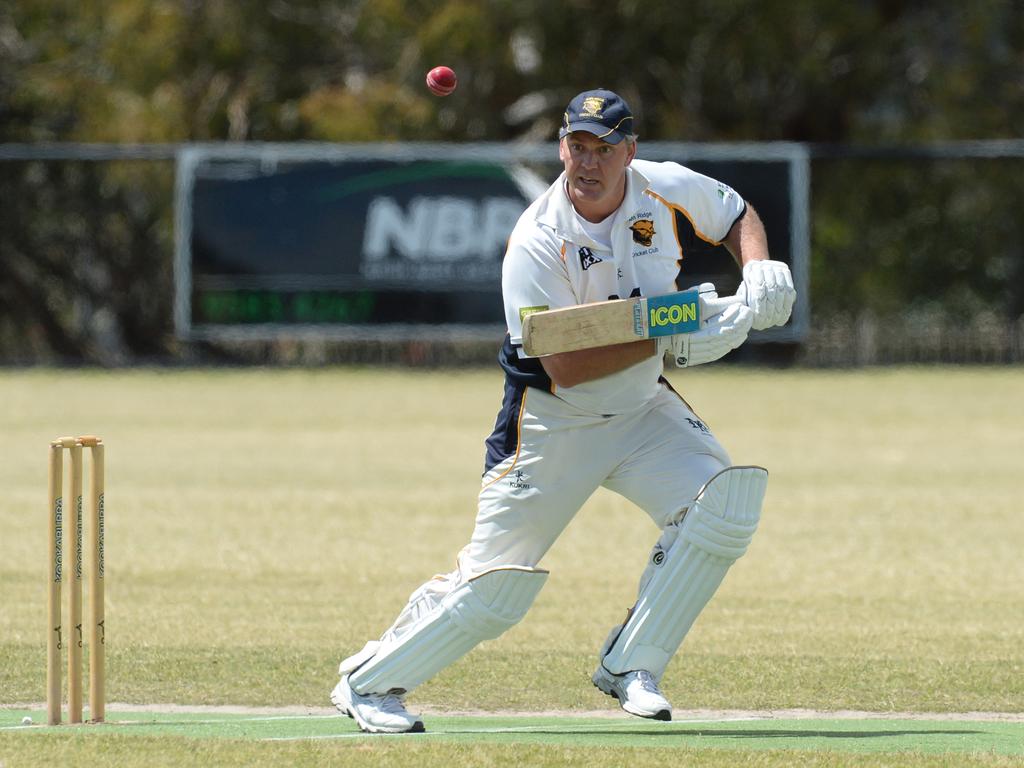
point(263, 523)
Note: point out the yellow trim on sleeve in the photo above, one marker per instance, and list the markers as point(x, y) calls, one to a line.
point(685, 213)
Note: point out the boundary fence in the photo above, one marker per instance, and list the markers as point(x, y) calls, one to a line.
point(837, 336)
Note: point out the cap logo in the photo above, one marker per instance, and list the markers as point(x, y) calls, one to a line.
point(592, 106)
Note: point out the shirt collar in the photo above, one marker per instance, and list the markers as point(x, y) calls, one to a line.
point(556, 210)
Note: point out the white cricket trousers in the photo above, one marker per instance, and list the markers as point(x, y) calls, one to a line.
point(658, 457)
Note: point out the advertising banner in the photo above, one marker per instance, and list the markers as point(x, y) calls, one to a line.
point(390, 242)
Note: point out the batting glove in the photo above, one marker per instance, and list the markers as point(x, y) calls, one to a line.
point(725, 324)
point(768, 290)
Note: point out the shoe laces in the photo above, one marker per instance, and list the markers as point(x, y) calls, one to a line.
point(389, 702)
point(646, 681)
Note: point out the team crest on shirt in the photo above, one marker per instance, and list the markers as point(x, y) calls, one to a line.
point(643, 232)
point(588, 259)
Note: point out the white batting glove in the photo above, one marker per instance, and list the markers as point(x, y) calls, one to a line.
point(768, 290)
point(725, 324)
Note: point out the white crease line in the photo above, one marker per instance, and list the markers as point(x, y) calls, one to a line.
point(228, 721)
point(554, 728)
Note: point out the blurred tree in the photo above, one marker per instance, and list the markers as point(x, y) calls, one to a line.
point(163, 70)
point(86, 268)
point(866, 71)
point(919, 234)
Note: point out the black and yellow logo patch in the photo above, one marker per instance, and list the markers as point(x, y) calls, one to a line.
point(643, 232)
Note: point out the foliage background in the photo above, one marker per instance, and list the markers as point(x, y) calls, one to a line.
point(85, 248)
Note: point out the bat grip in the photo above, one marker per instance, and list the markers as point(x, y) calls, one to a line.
point(711, 307)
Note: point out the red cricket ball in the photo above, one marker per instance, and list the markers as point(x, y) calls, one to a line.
point(441, 81)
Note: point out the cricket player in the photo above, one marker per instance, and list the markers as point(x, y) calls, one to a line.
point(610, 226)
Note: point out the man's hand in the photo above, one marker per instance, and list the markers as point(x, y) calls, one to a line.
point(768, 290)
point(725, 324)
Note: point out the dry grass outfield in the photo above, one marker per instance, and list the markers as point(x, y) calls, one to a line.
point(261, 524)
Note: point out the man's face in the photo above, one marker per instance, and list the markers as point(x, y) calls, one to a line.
point(595, 172)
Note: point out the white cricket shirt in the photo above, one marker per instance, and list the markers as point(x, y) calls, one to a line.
point(551, 262)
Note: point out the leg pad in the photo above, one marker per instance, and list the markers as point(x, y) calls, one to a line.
point(685, 569)
point(476, 610)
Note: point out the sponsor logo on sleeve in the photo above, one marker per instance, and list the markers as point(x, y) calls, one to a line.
point(524, 311)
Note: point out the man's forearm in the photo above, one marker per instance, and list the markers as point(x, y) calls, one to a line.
point(567, 369)
point(747, 240)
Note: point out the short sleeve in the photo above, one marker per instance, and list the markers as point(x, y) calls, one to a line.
point(534, 278)
point(711, 205)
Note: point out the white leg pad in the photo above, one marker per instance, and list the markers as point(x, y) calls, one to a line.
point(686, 567)
point(476, 610)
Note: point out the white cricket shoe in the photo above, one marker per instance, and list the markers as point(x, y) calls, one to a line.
point(637, 693)
point(375, 712)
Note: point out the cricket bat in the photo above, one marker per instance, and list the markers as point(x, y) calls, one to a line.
point(610, 322)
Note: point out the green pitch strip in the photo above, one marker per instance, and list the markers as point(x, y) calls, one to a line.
point(842, 735)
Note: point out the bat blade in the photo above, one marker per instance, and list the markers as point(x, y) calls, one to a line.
point(610, 322)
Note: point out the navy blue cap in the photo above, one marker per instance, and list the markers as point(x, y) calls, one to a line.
point(602, 113)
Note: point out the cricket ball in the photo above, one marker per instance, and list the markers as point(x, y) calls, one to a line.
point(441, 81)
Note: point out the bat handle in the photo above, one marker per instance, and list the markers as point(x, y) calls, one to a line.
point(720, 303)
